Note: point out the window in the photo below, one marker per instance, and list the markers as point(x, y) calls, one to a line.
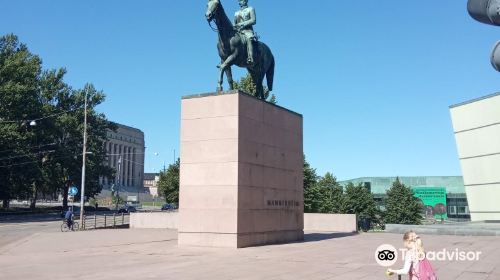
point(463, 210)
point(452, 210)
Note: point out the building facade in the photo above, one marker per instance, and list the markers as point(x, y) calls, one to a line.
point(151, 183)
point(126, 152)
point(476, 125)
point(456, 199)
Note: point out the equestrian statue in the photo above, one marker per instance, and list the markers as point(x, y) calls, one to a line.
point(239, 45)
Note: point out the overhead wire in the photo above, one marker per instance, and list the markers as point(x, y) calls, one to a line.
point(41, 145)
point(36, 161)
point(38, 146)
point(27, 155)
point(39, 119)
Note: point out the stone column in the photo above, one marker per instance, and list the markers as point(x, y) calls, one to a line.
point(134, 175)
point(108, 160)
point(120, 154)
point(115, 155)
point(132, 163)
point(126, 165)
point(115, 162)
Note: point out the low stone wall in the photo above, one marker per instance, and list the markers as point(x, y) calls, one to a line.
point(312, 222)
point(463, 229)
point(330, 222)
point(158, 220)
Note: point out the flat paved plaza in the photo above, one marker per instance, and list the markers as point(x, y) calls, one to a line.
point(154, 254)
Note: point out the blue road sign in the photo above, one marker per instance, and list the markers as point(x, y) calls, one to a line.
point(73, 191)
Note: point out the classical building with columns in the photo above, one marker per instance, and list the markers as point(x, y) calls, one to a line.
point(125, 149)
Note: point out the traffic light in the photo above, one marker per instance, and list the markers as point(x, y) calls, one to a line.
point(488, 12)
point(495, 56)
point(485, 11)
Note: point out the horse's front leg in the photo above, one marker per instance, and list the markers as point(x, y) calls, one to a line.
point(224, 67)
point(229, 75)
point(221, 78)
point(229, 60)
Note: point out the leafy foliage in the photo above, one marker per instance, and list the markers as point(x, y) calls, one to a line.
point(19, 80)
point(324, 196)
point(247, 85)
point(332, 194)
point(168, 185)
point(360, 201)
point(312, 195)
point(402, 207)
point(116, 199)
point(41, 128)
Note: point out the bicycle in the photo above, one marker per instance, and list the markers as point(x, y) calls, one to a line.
point(65, 228)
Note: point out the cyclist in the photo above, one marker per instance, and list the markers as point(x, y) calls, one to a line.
point(68, 217)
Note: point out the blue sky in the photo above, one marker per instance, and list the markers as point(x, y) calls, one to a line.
point(373, 79)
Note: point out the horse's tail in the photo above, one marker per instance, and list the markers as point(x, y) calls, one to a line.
point(270, 75)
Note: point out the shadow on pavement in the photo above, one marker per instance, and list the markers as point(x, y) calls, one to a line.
point(314, 237)
point(30, 218)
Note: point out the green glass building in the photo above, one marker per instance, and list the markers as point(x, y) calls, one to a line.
point(456, 199)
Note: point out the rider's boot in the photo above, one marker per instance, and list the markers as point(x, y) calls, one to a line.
point(250, 52)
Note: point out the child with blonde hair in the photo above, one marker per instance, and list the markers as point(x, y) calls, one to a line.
point(416, 266)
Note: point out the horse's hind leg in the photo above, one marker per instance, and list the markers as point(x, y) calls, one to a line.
point(229, 75)
point(260, 91)
point(258, 78)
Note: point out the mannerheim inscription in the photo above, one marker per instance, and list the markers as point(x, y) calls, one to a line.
point(283, 203)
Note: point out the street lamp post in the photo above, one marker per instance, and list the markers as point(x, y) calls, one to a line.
point(82, 195)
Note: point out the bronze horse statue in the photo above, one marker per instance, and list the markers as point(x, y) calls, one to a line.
point(233, 51)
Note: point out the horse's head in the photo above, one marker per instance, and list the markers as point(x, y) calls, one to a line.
point(212, 7)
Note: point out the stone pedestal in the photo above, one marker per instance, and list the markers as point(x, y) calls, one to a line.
point(241, 172)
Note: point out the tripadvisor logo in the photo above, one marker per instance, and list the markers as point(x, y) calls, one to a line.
point(448, 255)
point(387, 255)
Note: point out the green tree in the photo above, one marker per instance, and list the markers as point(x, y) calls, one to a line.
point(19, 103)
point(168, 185)
point(312, 194)
point(41, 129)
point(402, 207)
point(247, 85)
point(360, 201)
point(331, 194)
point(63, 166)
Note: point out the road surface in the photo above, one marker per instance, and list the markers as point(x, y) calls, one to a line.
point(18, 227)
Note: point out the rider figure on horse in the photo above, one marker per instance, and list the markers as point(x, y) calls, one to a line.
point(244, 20)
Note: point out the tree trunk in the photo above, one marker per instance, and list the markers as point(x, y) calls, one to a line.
point(34, 197)
point(33, 203)
point(65, 197)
